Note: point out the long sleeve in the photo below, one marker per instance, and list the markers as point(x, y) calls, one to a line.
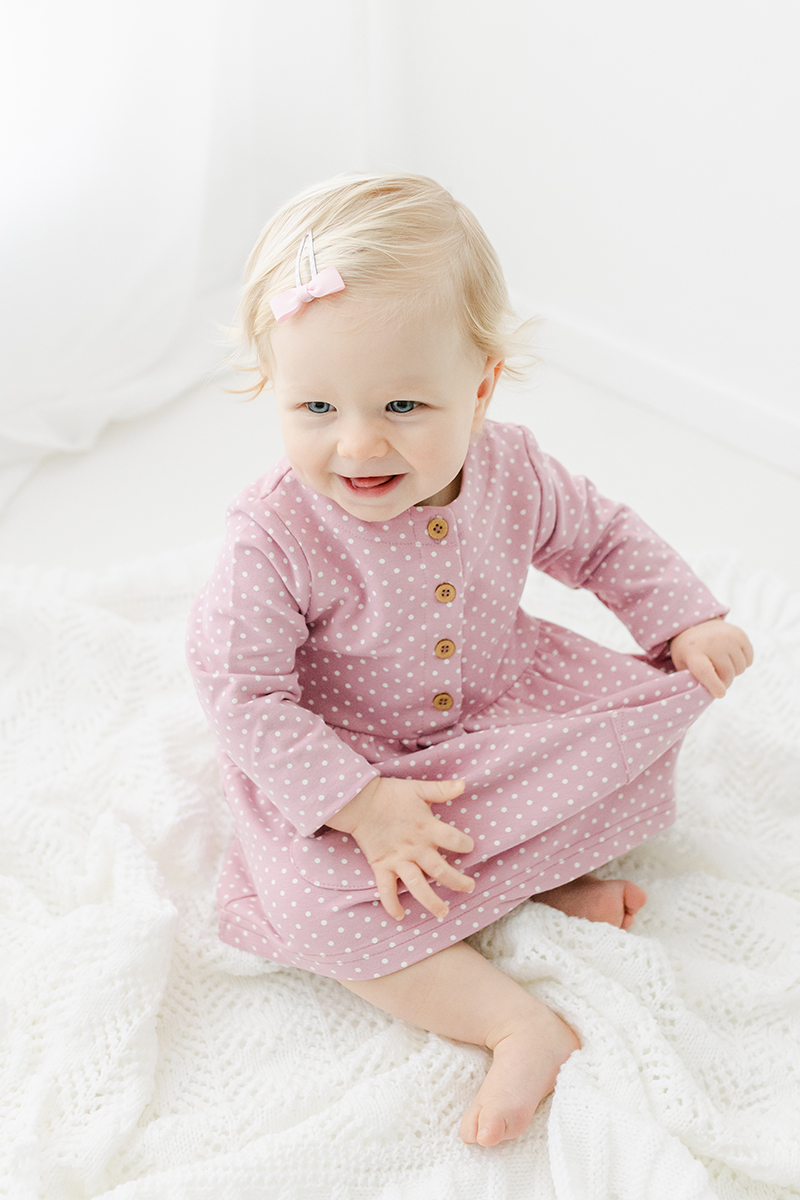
point(245, 629)
point(585, 540)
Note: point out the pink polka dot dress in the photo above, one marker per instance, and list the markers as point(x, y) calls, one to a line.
point(328, 650)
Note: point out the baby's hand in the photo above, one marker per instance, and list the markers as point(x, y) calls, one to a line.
point(392, 822)
point(714, 652)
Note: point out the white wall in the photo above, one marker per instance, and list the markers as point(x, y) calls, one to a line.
point(637, 165)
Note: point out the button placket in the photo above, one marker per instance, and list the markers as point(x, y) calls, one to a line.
point(445, 648)
point(445, 593)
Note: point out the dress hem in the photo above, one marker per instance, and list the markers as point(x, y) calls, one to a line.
point(419, 939)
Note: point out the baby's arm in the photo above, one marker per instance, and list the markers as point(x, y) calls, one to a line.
point(585, 540)
point(714, 652)
point(246, 629)
point(392, 822)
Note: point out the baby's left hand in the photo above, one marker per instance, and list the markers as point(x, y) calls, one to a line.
point(714, 652)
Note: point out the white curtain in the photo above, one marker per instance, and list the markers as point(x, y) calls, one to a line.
point(146, 144)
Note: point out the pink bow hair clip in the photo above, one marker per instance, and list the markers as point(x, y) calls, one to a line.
point(321, 283)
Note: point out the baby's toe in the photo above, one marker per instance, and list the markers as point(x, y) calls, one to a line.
point(491, 1128)
point(634, 898)
point(468, 1129)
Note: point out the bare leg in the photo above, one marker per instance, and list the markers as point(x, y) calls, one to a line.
point(459, 994)
point(614, 901)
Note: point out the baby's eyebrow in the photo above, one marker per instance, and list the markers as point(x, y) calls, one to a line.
point(299, 392)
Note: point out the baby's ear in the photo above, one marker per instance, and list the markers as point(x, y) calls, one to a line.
point(486, 387)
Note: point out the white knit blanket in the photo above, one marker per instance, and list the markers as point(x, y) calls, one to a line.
point(142, 1058)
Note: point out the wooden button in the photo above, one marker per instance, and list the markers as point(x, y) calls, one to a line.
point(443, 701)
point(437, 528)
point(444, 648)
point(445, 592)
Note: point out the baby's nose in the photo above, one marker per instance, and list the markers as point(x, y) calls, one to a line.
point(362, 440)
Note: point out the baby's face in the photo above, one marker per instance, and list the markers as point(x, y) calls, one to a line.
point(378, 416)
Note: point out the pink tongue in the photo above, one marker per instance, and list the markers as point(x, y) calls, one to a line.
point(370, 481)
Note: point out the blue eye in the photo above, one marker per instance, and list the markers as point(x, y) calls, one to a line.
point(401, 406)
point(318, 406)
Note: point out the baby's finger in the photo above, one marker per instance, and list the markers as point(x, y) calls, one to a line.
point(449, 837)
point(386, 883)
point(730, 674)
point(438, 791)
point(743, 643)
point(445, 874)
point(701, 666)
point(421, 890)
point(726, 671)
point(739, 660)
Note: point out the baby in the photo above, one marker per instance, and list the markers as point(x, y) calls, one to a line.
point(407, 754)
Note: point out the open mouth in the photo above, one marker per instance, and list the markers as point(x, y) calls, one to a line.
point(370, 485)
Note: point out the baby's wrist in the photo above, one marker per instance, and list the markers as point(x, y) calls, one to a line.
point(346, 819)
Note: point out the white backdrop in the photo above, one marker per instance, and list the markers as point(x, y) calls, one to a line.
point(108, 115)
point(636, 165)
point(148, 143)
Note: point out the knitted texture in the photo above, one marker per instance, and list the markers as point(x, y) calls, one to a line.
point(142, 1056)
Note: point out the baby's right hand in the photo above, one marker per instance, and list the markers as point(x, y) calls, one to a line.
point(392, 822)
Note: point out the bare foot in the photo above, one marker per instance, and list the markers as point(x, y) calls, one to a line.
point(614, 901)
point(528, 1055)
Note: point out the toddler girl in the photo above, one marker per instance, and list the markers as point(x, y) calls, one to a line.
point(406, 753)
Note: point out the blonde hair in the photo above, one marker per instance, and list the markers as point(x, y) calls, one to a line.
point(402, 239)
